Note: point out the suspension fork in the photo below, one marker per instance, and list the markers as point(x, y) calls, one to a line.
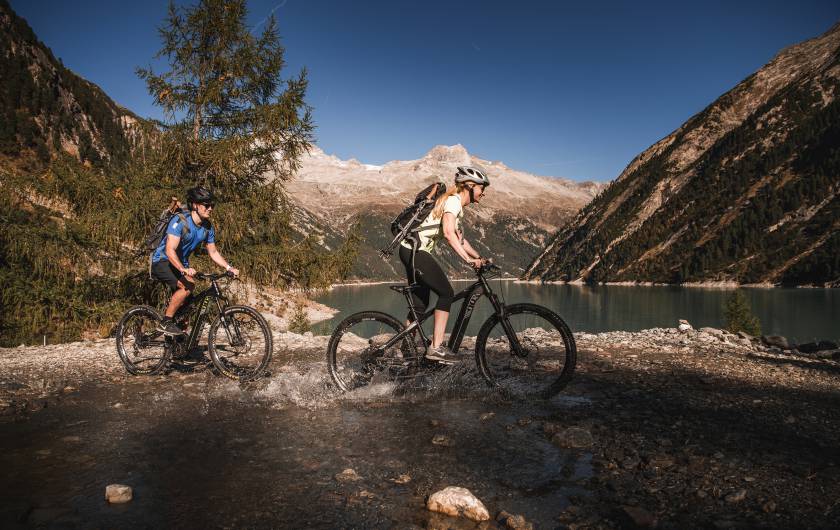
point(502, 315)
point(235, 337)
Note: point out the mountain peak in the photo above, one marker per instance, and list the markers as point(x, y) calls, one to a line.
point(449, 153)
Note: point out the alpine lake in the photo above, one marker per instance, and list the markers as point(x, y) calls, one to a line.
point(801, 315)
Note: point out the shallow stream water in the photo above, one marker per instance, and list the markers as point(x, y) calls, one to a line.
point(201, 451)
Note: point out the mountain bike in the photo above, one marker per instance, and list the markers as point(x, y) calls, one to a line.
point(525, 349)
point(239, 340)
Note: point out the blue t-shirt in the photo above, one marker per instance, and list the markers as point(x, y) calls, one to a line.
point(196, 236)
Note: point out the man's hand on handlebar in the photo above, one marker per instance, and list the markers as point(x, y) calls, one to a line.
point(189, 273)
point(476, 263)
point(233, 271)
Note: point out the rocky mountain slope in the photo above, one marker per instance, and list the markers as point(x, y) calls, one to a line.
point(46, 109)
point(744, 191)
point(520, 209)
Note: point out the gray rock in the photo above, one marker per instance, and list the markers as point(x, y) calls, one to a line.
point(118, 493)
point(713, 331)
point(776, 340)
point(442, 439)
point(574, 438)
point(486, 416)
point(814, 347)
point(458, 502)
point(745, 335)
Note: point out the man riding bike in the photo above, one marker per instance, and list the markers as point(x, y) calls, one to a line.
point(170, 261)
point(443, 223)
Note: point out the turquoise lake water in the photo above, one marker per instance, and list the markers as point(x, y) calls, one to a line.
point(799, 314)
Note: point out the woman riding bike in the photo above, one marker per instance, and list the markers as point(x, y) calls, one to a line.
point(443, 223)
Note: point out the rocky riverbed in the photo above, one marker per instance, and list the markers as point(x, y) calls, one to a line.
point(659, 428)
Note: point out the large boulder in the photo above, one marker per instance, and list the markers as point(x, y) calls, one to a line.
point(458, 502)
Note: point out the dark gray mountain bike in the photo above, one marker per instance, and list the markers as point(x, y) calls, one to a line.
point(525, 349)
point(239, 341)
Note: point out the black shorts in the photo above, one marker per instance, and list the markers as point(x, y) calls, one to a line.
point(165, 272)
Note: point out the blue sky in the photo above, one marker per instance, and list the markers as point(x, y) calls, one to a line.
point(555, 88)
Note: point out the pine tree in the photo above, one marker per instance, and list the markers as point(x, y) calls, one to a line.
point(739, 316)
point(227, 109)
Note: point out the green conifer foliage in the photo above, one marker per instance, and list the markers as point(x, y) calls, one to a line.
point(738, 314)
point(228, 111)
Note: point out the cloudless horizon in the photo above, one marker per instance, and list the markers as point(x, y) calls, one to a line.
point(567, 90)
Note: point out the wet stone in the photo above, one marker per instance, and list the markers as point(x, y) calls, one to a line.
point(402, 479)
point(514, 522)
point(118, 493)
point(442, 440)
point(486, 416)
point(736, 496)
point(639, 516)
point(458, 502)
point(348, 475)
point(573, 438)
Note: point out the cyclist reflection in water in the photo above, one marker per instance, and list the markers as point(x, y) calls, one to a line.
point(170, 261)
point(443, 223)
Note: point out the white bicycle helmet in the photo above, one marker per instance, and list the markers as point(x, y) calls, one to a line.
point(471, 174)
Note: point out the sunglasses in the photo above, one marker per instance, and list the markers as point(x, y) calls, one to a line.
point(208, 205)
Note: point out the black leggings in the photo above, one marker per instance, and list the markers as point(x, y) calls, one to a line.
point(430, 277)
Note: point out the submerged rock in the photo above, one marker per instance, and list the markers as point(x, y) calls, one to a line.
point(118, 493)
point(514, 522)
point(458, 502)
point(640, 517)
point(574, 438)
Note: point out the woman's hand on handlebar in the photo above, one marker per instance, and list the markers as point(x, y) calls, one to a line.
point(476, 263)
point(233, 271)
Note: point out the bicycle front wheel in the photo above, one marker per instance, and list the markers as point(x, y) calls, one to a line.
point(143, 349)
point(240, 343)
point(529, 352)
point(362, 351)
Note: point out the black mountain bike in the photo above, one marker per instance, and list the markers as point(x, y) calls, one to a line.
point(525, 349)
point(239, 341)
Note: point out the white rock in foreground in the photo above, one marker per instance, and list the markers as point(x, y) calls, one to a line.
point(118, 493)
point(458, 502)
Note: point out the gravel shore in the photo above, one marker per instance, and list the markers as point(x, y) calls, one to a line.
point(686, 429)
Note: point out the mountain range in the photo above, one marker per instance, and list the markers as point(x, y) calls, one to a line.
point(511, 223)
point(746, 191)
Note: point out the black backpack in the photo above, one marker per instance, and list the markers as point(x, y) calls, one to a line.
point(405, 224)
point(152, 241)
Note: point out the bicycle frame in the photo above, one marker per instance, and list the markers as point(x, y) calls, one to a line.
point(201, 301)
point(470, 295)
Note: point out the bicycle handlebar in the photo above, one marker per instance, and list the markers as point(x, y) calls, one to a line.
point(488, 267)
point(213, 277)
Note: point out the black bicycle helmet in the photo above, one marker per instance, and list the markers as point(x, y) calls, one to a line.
point(471, 174)
point(200, 195)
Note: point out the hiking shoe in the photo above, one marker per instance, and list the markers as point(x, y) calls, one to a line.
point(169, 327)
point(442, 354)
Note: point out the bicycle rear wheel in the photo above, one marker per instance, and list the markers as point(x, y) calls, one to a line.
point(531, 352)
point(359, 355)
point(143, 349)
point(240, 343)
